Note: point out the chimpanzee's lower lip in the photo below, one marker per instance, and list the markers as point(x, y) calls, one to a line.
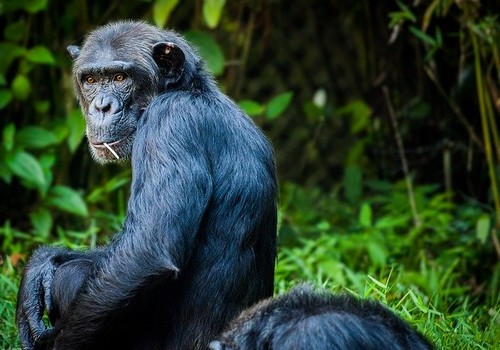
point(101, 144)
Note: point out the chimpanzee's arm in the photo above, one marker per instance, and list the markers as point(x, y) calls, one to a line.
point(35, 291)
point(171, 189)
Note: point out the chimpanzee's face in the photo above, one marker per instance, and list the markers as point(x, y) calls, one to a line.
point(115, 82)
point(112, 100)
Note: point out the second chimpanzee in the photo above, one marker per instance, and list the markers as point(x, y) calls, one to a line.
point(305, 319)
point(199, 240)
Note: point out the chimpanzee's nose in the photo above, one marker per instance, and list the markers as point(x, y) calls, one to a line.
point(103, 104)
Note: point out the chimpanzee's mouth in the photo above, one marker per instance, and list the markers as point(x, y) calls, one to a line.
point(109, 146)
point(104, 144)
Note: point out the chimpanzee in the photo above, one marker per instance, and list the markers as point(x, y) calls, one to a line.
point(198, 244)
point(306, 319)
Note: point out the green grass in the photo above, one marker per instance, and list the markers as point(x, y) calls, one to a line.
point(449, 323)
point(442, 277)
point(456, 324)
point(9, 282)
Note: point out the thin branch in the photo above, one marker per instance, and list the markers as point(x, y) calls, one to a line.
point(495, 101)
point(485, 112)
point(494, 239)
point(404, 162)
point(456, 109)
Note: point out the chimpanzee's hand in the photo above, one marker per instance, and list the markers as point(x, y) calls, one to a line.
point(34, 298)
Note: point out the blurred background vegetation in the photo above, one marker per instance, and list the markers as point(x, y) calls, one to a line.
point(383, 114)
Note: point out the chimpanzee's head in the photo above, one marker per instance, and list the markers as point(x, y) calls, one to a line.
point(117, 72)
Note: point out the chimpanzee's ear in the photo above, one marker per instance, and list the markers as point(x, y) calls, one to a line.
point(74, 51)
point(170, 58)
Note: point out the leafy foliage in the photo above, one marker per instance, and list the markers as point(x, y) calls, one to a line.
point(212, 11)
point(208, 49)
point(419, 272)
point(162, 10)
point(345, 217)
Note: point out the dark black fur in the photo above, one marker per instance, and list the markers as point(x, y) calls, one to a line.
point(199, 241)
point(309, 320)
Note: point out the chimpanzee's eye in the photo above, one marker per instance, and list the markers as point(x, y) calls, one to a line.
point(90, 79)
point(119, 77)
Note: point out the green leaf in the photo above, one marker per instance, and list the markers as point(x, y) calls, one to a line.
point(68, 200)
point(377, 282)
point(5, 98)
point(26, 167)
point(422, 36)
point(356, 153)
point(60, 128)
point(212, 10)
point(34, 6)
point(40, 54)
point(8, 53)
point(47, 161)
point(377, 252)
point(8, 136)
point(251, 107)
point(365, 215)
point(352, 183)
point(35, 137)
point(208, 49)
point(400, 16)
point(439, 37)
point(312, 111)
point(162, 10)
point(76, 126)
point(391, 222)
point(15, 31)
point(42, 221)
point(21, 87)
point(5, 172)
point(101, 193)
point(483, 228)
point(42, 106)
point(278, 105)
point(323, 225)
point(360, 113)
